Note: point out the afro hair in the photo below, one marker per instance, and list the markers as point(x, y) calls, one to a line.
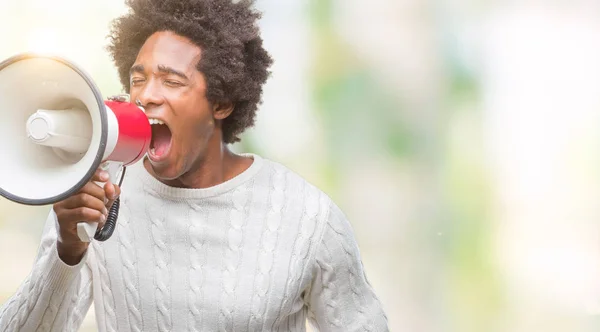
point(233, 62)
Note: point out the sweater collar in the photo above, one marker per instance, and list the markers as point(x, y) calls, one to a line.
point(166, 191)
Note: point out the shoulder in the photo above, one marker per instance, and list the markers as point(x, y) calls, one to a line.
point(321, 213)
point(297, 190)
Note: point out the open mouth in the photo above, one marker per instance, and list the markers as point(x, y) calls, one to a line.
point(161, 140)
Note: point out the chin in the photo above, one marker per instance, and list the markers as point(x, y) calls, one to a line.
point(164, 171)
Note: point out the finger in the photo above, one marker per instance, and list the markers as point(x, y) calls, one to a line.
point(95, 190)
point(112, 192)
point(85, 200)
point(109, 191)
point(83, 214)
point(100, 175)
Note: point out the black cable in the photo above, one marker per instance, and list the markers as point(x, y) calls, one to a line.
point(104, 233)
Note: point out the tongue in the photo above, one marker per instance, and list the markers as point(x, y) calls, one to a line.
point(161, 139)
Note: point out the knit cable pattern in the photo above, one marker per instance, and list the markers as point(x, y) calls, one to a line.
point(28, 292)
point(300, 250)
point(330, 289)
point(28, 296)
point(235, 236)
point(268, 243)
point(108, 304)
point(50, 312)
point(251, 254)
point(162, 276)
point(353, 271)
point(78, 300)
point(197, 262)
point(126, 237)
point(304, 244)
point(19, 295)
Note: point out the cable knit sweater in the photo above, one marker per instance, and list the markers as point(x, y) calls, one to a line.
point(263, 251)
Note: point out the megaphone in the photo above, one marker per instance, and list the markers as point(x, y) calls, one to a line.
point(57, 130)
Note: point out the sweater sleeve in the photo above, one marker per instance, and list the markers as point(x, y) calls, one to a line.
point(340, 297)
point(55, 296)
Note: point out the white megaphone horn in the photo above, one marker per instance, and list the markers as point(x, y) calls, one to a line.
point(58, 130)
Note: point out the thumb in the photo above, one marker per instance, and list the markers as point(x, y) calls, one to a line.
point(112, 192)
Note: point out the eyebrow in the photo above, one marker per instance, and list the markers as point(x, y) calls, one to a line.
point(161, 68)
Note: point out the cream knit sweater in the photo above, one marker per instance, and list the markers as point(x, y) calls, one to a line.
point(263, 251)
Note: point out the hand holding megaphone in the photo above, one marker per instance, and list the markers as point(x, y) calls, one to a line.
point(87, 209)
point(105, 178)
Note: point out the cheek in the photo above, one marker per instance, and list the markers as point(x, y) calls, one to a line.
point(196, 128)
point(193, 142)
point(195, 121)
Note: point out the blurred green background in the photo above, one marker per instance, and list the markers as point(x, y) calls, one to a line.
point(461, 138)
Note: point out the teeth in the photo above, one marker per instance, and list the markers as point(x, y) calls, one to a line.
point(156, 121)
point(153, 151)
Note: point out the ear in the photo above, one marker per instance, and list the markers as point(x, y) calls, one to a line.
point(222, 110)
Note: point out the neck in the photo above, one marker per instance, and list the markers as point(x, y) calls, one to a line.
point(217, 166)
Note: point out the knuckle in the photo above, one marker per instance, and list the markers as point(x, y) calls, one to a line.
point(95, 192)
point(83, 199)
point(79, 212)
point(87, 186)
point(91, 201)
point(57, 207)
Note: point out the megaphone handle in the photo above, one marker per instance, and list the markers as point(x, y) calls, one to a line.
point(87, 230)
point(113, 169)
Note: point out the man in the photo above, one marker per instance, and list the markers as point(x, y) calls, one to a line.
point(207, 240)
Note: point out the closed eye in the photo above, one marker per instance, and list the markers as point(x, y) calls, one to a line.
point(172, 83)
point(137, 82)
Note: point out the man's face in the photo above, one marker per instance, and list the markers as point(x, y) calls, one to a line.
point(165, 79)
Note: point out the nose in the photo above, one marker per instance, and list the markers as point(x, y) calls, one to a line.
point(149, 95)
